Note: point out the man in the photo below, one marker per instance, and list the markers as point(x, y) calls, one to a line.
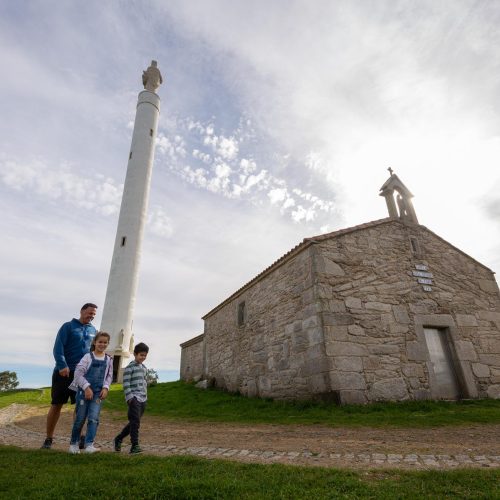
point(72, 342)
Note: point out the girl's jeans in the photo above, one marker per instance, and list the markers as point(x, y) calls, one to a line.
point(86, 409)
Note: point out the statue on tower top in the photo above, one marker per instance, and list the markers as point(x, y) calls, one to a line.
point(151, 78)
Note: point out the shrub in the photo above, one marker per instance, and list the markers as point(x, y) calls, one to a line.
point(151, 377)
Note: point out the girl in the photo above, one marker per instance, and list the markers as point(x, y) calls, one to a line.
point(93, 376)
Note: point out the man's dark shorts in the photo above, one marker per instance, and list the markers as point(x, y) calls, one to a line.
point(60, 389)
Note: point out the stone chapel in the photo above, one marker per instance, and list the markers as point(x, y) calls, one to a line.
point(383, 311)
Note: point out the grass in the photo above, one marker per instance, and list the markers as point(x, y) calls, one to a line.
point(182, 401)
point(25, 396)
point(41, 474)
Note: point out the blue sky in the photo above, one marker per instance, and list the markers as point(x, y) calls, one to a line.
point(279, 120)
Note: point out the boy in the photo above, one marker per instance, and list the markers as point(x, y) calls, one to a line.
point(135, 388)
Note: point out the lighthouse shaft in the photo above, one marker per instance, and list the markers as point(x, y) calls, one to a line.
point(119, 304)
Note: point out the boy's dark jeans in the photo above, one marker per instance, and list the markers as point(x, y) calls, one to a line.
point(135, 412)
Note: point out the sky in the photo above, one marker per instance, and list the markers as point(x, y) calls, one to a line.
point(278, 122)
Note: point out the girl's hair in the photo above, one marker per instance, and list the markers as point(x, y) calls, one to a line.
point(97, 335)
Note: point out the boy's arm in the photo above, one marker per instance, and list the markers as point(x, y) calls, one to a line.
point(127, 376)
point(60, 342)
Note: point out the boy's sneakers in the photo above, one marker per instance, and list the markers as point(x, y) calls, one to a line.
point(81, 443)
point(91, 449)
point(74, 449)
point(136, 449)
point(47, 444)
point(117, 442)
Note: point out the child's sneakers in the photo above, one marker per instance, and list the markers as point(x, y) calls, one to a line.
point(90, 448)
point(117, 442)
point(135, 450)
point(74, 449)
point(81, 443)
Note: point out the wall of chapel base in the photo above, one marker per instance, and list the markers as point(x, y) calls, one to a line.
point(374, 312)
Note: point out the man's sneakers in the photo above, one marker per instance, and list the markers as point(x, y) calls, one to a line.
point(74, 449)
point(90, 448)
point(135, 450)
point(117, 443)
point(47, 444)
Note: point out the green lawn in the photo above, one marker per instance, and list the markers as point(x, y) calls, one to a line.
point(182, 401)
point(49, 474)
point(23, 396)
point(178, 400)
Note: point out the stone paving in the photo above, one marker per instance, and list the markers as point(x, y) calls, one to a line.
point(12, 434)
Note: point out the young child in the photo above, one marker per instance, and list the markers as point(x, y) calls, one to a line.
point(136, 395)
point(93, 376)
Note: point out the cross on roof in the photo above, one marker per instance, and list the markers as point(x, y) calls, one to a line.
point(390, 170)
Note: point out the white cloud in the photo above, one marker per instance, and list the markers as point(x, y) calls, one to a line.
point(159, 223)
point(276, 195)
point(222, 170)
point(204, 157)
point(60, 182)
point(303, 214)
point(227, 173)
point(248, 166)
point(227, 147)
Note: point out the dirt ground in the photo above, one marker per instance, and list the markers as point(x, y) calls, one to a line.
point(311, 441)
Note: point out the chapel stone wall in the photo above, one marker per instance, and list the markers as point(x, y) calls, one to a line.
point(278, 351)
point(192, 359)
point(373, 311)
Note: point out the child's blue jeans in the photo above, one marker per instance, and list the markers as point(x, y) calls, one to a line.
point(86, 409)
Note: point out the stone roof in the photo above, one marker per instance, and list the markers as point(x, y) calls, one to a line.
point(192, 341)
point(306, 242)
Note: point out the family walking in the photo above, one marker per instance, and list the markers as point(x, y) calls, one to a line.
point(83, 375)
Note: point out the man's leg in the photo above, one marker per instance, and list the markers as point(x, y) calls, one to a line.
point(60, 394)
point(52, 419)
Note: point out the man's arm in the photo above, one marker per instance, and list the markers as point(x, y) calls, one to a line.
point(59, 344)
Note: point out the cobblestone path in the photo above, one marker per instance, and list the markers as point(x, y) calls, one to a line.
point(11, 433)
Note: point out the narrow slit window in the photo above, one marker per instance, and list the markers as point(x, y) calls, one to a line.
point(241, 313)
point(151, 132)
point(130, 155)
point(415, 247)
point(124, 240)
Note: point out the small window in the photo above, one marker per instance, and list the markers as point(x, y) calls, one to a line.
point(124, 240)
point(242, 315)
point(130, 155)
point(151, 132)
point(415, 247)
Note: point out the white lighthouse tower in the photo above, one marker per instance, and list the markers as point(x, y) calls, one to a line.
point(118, 312)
